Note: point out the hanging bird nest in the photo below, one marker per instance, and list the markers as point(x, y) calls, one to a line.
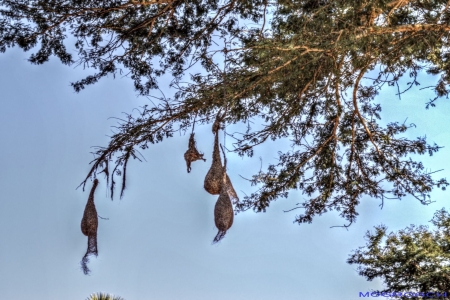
point(192, 153)
point(223, 213)
point(214, 177)
point(89, 225)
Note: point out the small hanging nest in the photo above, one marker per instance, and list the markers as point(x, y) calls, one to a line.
point(223, 213)
point(89, 225)
point(192, 153)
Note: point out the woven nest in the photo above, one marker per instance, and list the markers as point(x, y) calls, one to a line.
point(223, 214)
point(192, 153)
point(214, 177)
point(89, 225)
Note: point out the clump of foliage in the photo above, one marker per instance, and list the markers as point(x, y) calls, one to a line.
point(413, 259)
point(103, 296)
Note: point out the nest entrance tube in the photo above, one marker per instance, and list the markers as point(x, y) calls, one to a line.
point(192, 153)
point(89, 225)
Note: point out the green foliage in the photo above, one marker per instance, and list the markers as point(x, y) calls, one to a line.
point(290, 74)
point(413, 259)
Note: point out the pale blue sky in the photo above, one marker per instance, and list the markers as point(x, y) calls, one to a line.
point(157, 241)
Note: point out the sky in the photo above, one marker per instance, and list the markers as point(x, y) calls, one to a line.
point(156, 243)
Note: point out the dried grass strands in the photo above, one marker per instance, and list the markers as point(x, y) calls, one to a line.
point(217, 122)
point(89, 225)
point(214, 177)
point(192, 153)
point(223, 213)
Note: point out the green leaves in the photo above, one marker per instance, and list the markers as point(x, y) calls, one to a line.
point(412, 259)
point(115, 33)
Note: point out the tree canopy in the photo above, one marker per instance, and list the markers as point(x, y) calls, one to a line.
point(297, 73)
point(414, 259)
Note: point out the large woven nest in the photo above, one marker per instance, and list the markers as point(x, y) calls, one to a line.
point(192, 153)
point(214, 177)
point(89, 225)
point(223, 214)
